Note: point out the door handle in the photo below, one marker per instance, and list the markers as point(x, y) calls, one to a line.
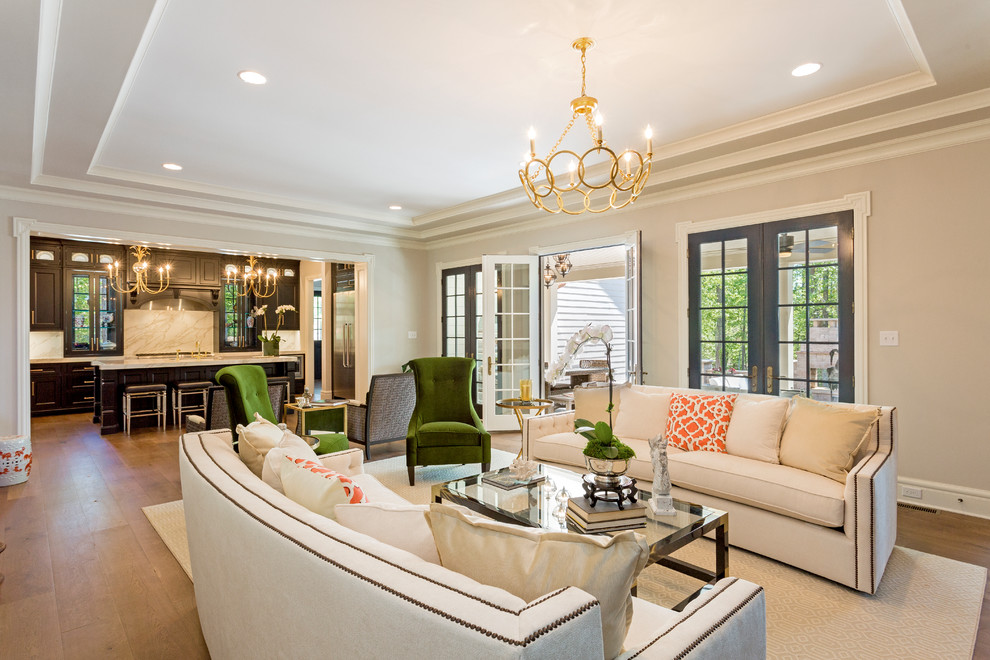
point(489, 365)
point(32, 316)
point(753, 374)
point(769, 380)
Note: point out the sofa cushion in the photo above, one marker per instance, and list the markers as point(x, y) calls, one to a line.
point(531, 563)
point(272, 464)
point(376, 491)
point(402, 525)
point(642, 416)
point(777, 488)
point(255, 440)
point(317, 488)
point(698, 422)
point(824, 438)
point(591, 403)
point(447, 434)
point(755, 426)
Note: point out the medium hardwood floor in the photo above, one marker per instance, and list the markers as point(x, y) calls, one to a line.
point(88, 577)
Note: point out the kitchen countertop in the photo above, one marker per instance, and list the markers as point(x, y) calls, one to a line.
point(60, 360)
point(117, 363)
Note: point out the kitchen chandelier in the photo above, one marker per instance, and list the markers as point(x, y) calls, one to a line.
point(249, 280)
point(141, 269)
point(595, 181)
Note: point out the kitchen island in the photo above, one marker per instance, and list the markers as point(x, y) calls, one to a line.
point(112, 375)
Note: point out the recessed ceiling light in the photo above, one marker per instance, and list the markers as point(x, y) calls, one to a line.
point(394, 207)
point(175, 167)
point(252, 77)
point(806, 69)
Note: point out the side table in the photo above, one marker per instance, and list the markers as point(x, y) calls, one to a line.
point(521, 406)
point(321, 417)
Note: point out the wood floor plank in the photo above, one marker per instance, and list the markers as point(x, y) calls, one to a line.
point(30, 626)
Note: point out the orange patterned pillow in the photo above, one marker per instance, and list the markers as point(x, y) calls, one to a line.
point(699, 422)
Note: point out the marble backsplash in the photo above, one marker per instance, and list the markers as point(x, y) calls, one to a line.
point(290, 341)
point(166, 331)
point(45, 345)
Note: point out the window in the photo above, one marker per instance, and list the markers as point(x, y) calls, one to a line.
point(771, 308)
point(238, 324)
point(318, 315)
point(94, 315)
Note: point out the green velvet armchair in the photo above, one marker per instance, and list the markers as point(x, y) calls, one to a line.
point(444, 427)
point(246, 387)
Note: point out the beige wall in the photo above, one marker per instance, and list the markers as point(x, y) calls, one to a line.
point(395, 280)
point(925, 208)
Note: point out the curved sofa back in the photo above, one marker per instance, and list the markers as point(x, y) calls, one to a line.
point(273, 579)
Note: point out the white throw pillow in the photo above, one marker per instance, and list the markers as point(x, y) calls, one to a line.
point(530, 563)
point(255, 440)
point(289, 444)
point(317, 488)
point(643, 415)
point(401, 525)
point(754, 430)
point(591, 403)
point(824, 438)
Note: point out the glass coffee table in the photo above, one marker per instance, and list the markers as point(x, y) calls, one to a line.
point(534, 505)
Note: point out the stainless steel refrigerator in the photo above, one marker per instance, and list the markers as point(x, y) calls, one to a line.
point(343, 330)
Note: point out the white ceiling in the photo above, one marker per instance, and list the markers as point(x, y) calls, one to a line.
point(427, 104)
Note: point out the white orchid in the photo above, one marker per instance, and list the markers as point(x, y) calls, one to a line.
point(282, 309)
point(259, 311)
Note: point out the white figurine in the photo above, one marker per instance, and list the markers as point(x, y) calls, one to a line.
point(662, 504)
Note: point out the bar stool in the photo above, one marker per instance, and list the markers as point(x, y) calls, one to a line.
point(154, 392)
point(197, 390)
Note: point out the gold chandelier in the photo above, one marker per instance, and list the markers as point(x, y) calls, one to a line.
point(249, 280)
point(141, 269)
point(595, 181)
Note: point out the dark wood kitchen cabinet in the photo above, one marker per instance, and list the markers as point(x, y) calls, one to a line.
point(60, 387)
point(46, 297)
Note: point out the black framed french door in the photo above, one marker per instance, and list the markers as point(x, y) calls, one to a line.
point(460, 319)
point(771, 308)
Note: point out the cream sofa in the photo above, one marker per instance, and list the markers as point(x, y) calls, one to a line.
point(273, 579)
point(844, 532)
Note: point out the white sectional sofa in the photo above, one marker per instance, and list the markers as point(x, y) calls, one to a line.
point(842, 531)
point(273, 579)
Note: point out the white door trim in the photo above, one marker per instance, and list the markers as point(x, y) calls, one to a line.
point(858, 203)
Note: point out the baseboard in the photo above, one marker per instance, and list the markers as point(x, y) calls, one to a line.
point(946, 497)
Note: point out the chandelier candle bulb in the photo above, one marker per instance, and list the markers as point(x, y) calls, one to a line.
point(649, 140)
point(532, 144)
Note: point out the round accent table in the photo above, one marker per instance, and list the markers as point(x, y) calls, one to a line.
point(520, 406)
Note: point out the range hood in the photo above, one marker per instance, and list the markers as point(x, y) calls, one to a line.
point(177, 299)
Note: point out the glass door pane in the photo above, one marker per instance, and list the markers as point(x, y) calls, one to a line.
point(809, 287)
point(724, 303)
point(461, 320)
point(510, 322)
point(634, 347)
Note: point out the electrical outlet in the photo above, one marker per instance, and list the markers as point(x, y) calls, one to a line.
point(412, 334)
point(910, 491)
point(889, 338)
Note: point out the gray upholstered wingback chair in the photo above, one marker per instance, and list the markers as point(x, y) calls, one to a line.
point(385, 415)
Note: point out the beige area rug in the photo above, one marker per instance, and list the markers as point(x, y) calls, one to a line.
point(169, 520)
point(927, 606)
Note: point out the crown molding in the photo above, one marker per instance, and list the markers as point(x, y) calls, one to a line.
point(344, 215)
point(221, 207)
point(68, 200)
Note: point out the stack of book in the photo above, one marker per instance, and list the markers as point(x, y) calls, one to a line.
point(605, 516)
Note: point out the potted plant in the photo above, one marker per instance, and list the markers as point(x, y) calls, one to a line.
point(269, 344)
point(605, 454)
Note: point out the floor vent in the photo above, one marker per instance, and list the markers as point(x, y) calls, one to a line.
point(926, 509)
